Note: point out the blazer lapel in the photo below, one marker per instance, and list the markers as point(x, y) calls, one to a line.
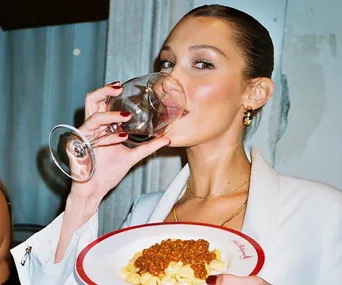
point(261, 218)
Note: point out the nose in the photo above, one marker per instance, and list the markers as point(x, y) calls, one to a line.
point(177, 73)
point(169, 95)
point(171, 85)
point(173, 93)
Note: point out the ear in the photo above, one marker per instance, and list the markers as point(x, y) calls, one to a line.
point(259, 92)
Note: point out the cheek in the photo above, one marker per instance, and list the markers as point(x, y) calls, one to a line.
point(213, 93)
point(213, 104)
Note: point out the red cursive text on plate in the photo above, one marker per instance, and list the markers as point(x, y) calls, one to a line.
point(242, 249)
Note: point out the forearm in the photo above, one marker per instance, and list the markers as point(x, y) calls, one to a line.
point(77, 212)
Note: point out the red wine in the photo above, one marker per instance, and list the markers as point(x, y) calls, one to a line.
point(136, 138)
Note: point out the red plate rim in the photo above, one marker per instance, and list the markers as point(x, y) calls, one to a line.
point(85, 278)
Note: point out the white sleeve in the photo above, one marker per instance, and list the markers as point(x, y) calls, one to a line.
point(331, 262)
point(39, 267)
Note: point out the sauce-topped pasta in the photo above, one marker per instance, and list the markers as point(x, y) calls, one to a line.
point(173, 262)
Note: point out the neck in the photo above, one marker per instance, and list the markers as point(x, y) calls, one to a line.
point(215, 169)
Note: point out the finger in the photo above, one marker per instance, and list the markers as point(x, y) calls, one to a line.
point(111, 140)
point(222, 279)
point(96, 100)
point(102, 93)
point(146, 149)
point(99, 119)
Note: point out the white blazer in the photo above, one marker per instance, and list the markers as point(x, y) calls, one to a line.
point(297, 222)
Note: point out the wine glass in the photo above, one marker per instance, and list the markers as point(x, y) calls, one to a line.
point(155, 101)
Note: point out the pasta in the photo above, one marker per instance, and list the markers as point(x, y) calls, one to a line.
point(173, 262)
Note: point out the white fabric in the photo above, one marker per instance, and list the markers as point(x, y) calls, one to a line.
point(297, 222)
point(39, 267)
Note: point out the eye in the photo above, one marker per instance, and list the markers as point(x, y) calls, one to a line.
point(166, 64)
point(204, 64)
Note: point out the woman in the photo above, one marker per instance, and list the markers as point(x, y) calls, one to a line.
point(224, 60)
point(5, 235)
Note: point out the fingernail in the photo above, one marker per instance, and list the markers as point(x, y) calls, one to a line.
point(115, 82)
point(211, 280)
point(125, 114)
point(116, 87)
point(122, 135)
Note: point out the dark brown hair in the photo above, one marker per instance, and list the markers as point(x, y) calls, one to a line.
point(252, 38)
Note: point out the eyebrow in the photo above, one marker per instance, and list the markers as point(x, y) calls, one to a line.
point(167, 48)
point(198, 47)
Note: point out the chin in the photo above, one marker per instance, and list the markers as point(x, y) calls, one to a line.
point(177, 141)
point(180, 134)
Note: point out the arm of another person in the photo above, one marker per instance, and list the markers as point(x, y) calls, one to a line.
point(5, 239)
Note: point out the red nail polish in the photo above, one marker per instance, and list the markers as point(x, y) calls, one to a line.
point(116, 87)
point(125, 114)
point(211, 280)
point(122, 135)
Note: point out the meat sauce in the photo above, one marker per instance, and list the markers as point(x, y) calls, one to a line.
point(157, 258)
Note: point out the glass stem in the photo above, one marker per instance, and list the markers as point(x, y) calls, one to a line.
point(110, 129)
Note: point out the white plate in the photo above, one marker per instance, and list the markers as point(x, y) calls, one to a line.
point(101, 261)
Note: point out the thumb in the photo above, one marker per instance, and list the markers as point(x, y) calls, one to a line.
point(146, 149)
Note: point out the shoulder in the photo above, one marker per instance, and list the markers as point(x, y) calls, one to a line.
point(313, 193)
point(4, 210)
point(291, 183)
point(5, 220)
point(3, 200)
point(5, 237)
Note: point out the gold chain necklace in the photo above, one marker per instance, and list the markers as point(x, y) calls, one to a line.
point(243, 206)
point(188, 189)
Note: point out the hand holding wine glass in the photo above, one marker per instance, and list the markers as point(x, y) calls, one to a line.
point(113, 158)
point(151, 103)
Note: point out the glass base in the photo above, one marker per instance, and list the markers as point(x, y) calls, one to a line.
point(72, 153)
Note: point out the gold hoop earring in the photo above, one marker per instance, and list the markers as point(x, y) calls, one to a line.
point(248, 116)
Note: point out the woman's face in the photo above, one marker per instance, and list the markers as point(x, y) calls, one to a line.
point(200, 54)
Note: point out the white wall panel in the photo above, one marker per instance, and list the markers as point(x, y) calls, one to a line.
point(312, 61)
